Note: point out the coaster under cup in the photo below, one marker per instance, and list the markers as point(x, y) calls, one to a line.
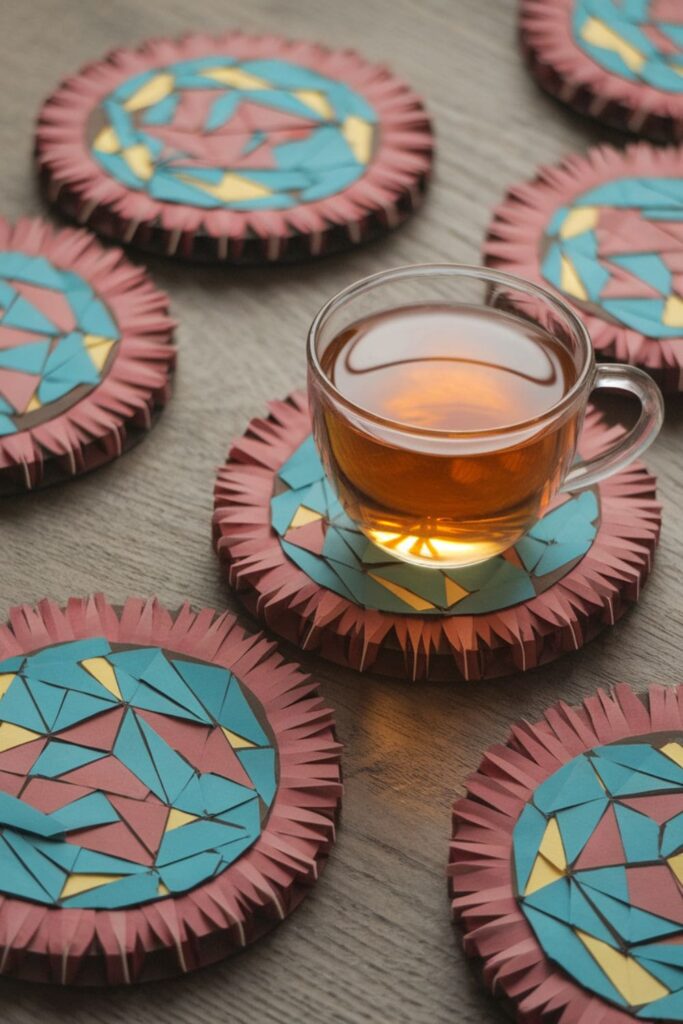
point(620, 61)
point(86, 354)
point(565, 865)
point(168, 790)
point(606, 230)
point(237, 148)
point(299, 564)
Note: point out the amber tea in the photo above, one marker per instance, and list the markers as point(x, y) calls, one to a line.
point(447, 403)
point(455, 369)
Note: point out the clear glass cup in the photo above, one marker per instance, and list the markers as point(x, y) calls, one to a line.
point(454, 498)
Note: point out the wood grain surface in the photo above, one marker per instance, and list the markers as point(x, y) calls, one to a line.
point(373, 942)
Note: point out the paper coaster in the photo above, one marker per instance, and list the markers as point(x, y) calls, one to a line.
point(620, 61)
point(566, 866)
point(235, 147)
point(299, 563)
point(86, 354)
point(168, 790)
point(606, 230)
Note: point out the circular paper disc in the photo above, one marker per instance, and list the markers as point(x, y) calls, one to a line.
point(299, 563)
point(238, 148)
point(86, 353)
point(566, 865)
point(620, 61)
point(606, 230)
point(168, 790)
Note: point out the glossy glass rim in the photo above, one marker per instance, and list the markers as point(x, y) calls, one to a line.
point(484, 274)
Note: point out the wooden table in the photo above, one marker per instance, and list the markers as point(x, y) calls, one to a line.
point(373, 942)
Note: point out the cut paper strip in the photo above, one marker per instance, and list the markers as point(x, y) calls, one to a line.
point(576, 570)
point(86, 354)
point(149, 816)
point(627, 254)
point(317, 152)
point(620, 61)
point(604, 934)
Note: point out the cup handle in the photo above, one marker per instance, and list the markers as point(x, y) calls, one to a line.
point(636, 382)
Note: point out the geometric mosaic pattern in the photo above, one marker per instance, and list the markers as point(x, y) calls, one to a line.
point(126, 774)
point(57, 339)
point(616, 248)
point(298, 562)
point(639, 40)
point(566, 861)
point(598, 858)
point(238, 148)
point(318, 536)
point(219, 132)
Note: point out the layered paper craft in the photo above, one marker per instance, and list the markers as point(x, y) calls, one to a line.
point(86, 353)
point(620, 61)
point(168, 790)
point(235, 147)
point(299, 562)
point(566, 863)
point(606, 231)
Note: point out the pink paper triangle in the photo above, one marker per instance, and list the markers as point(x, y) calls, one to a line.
point(51, 304)
point(604, 846)
point(18, 388)
point(147, 818)
point(99, 732)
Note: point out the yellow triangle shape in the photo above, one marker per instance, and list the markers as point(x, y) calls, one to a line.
point(235, 741)
point(599, 33)
point(416, 602)
point(544, 873)
point(150, 92)
point(78, 883)
point(232, 188)
point(674, 751)
point(316, 101)
point(6, 680)
point(551, 846)
point(303, 516)
point(98, 349)
point(676, 865)
point(15, 735)
point(103, 672)
point(636, 985)
point(34, 404)
point(454, 592)
point(163, 890)
point(673, 312)
point(139, 159)
point(107, 141)
point(580, 219)
point(238, 78)
point(177, 819)
point(358, 133)
point(570, 282)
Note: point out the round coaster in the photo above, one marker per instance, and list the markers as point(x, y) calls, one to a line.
point(566, 866)
point(620, 61)
point(168, 790)
point(299, 563)
point(606, 230)
point(86, 354)
point(234, 147)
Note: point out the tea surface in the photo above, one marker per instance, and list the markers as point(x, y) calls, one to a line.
point(450, 367)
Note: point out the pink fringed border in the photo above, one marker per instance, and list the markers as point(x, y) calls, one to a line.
point(519, 224)
point(263, 886)
point(95, 429)
point(495, 930)
point(593, 594)
point(384, 196)
point(562, 68)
